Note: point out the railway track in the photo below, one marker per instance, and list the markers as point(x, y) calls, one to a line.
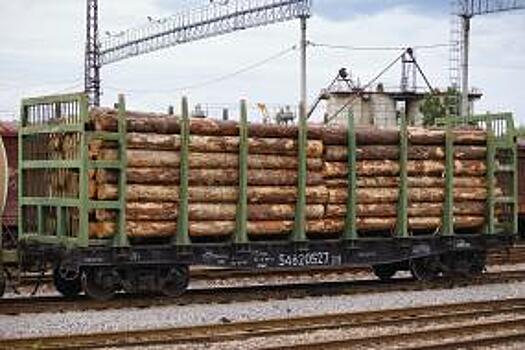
point(515, 255)
point(430, 327)
point(222, 295)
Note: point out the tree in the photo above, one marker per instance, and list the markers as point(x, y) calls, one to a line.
point(432, 109)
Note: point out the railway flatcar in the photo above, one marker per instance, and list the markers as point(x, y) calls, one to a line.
point(113, 200)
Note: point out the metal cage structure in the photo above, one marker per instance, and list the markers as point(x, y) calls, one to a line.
point(55, 167)
point(502, 167)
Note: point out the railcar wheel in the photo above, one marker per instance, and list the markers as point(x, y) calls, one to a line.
point(174, 281)
point(2, 283)
point(424, 269)
point(385, 272)
point(465, 264)
point(67, 282)
point(101, 283)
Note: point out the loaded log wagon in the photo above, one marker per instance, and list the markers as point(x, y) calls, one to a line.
point(114, 199)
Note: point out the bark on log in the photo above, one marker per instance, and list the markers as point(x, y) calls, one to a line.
point(461, 136)
point(364, 136)
point(340, 153)
point(165, 211)
point(214, 194)
point(423, 181)
point(414, 223)
point(222, 144)
point(146, 158)
point(421, 194)
point(151, 229)
point(391, 168)
point(106, 119)
point(209, 177)
point(416, 136)
point(415, 209)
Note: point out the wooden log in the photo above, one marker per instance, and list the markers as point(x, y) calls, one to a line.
point(423, 181)
point(365, 224)
point(255, 228)
point(146, 158)
point(462, 136)
point(222, 144)
point(152, 229)
point(214, 194)
point(166, 211)
point(106, 119)
point(416, 135)
point(418, 194)
point(337, 135)
point(375, 152)
point(391, 168)
point(415, 209)
point(209, 177)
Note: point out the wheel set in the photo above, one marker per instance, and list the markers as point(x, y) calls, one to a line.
point(102, 283)
point(465, 264)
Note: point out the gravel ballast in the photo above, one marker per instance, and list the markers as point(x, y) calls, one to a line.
point(31, 325)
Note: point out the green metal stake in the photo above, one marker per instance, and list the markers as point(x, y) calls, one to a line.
point(241, 233)
point(515, 188)
point(402, 204)
point(183, 238)
point(83, 234)
point(448, 208)
point(491, 154)
point(21, 171)
point(351, 213)
point(40, 220)
point(299, 232)
point(121, 239)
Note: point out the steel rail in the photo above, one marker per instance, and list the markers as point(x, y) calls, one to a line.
point(440, 315)
point(261, 292)
point(470, 335)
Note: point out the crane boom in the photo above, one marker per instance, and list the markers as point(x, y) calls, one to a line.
point(200, 23)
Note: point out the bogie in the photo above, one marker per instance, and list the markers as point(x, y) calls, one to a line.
point(101, 283)
point(175, 280)
point(67, 282)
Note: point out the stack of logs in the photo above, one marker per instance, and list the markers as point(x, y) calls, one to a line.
point(378, 171)
point(153, 161)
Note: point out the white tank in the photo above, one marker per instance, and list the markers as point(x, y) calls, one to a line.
point(383, 110)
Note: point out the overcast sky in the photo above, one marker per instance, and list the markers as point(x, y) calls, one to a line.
point(42, 44)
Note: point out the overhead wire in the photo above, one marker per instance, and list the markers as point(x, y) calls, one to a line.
point(219, 78)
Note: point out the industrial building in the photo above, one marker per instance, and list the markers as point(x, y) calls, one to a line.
point(381, 107)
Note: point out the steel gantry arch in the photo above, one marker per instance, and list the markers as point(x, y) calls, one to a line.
point(190, 25)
